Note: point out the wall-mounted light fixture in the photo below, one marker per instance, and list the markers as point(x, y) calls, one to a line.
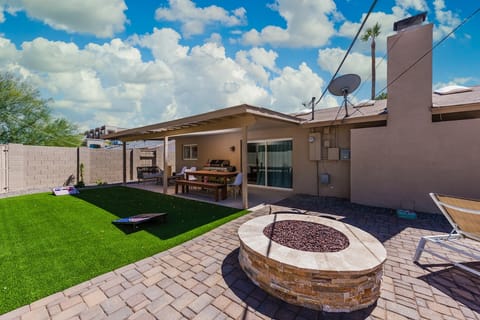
point(232, 148)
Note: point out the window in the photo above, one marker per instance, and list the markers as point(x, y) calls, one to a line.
point(190, 152)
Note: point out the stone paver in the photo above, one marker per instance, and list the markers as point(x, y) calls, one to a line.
point(202, 279)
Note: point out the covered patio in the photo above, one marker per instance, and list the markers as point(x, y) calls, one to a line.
point(237, 126)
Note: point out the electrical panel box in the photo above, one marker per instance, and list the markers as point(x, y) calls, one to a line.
point(333, 154)
point(324, 178)
point(315, 146)
point(344, 154)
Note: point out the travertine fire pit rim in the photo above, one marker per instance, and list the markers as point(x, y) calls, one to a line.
point(364, 253)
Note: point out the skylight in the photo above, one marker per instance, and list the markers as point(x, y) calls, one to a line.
point(452, 89)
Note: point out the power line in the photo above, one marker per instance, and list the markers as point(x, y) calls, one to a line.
point(348, 51)
point(430, 50)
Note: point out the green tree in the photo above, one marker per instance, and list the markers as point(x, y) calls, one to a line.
point(371, 34)
point(381, 96)
point(26, 118)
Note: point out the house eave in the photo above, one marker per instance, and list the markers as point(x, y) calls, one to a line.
point(344, 121)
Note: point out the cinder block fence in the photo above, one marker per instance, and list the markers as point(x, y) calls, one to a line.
point(25, 169)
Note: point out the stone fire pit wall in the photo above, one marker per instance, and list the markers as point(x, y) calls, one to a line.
point(341, 281)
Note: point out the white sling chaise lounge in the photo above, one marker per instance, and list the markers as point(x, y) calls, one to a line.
point(464, 216)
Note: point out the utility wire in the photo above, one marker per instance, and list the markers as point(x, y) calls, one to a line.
point(411, 66)
point(374, 3)
point(430, 50)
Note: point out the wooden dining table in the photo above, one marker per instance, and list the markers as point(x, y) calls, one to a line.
point(221, 176)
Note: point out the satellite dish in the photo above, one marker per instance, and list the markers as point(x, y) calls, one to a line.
point(344, 85)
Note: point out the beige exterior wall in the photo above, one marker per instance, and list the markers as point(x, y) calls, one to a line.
point(212, 146)
point(304, 170)
point(397, 169)
point(398, 165)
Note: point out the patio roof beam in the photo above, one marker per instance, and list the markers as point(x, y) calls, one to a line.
point(221, 124)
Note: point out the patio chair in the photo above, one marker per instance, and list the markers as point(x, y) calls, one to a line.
point(180, 174)
point(236, 185)
point(190, 177)
point(464, 216)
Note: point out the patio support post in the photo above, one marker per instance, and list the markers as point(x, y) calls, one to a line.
point(124, 149)
point(165, 165)
point(244, 167)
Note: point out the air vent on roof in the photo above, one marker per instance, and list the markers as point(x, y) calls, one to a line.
point(365, 103)
point(452, 90)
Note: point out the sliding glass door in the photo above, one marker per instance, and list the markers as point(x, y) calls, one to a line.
point(270, 163)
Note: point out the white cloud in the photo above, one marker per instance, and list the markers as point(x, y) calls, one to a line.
point(100, 18)
point(7, 51)
point(404, 5)
point(128, 63)
point(466, 81)
point(329, 60)
point(309, 24)
point(254, 70)
point(164, 44)
point(194, 20)
point(110, 83)
point(447, 20)
point(294, 87)
point(53, 56)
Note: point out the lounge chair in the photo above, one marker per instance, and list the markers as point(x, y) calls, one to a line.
point(464, 216)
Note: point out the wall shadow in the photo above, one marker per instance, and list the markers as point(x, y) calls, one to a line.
point(382, 223)
point(183, 214)
point(259, 301)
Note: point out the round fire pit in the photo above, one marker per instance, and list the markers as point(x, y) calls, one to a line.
point(313, 262)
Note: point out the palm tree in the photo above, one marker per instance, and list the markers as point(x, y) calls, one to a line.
point(372, 33)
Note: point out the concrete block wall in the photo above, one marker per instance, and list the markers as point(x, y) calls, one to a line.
point(104, 165)
point(16, 168)
point(31, 168)
point(48, 166)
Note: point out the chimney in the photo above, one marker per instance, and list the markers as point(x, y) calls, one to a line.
point(409, 73)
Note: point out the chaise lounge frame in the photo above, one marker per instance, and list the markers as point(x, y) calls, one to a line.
point(464, 216)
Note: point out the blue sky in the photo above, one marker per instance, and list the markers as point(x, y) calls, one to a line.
point(131, 63)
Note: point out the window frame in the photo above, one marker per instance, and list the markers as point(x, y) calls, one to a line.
point(190, 151)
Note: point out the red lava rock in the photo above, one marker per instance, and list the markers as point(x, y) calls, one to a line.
point(306, 236)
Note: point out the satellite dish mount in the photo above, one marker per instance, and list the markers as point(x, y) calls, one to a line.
point(344, 85)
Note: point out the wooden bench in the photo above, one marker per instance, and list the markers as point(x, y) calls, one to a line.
point(149, 173)
point(220, 189)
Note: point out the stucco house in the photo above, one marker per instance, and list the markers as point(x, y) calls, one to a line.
point(390, 153)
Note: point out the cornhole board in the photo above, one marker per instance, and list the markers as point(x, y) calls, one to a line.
point(61, 191)
point(141, 218)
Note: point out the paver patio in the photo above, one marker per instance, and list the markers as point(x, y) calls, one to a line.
point(202, 279)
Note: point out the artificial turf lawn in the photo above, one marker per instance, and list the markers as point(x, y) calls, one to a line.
point(50, 243)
